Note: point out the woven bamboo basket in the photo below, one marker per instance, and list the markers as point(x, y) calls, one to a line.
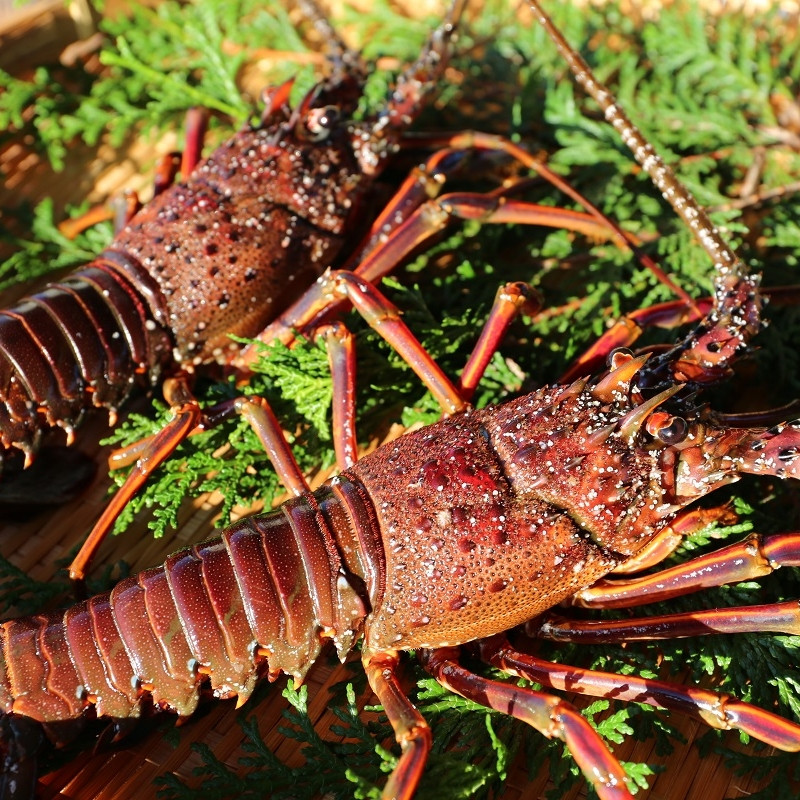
point(45, 31)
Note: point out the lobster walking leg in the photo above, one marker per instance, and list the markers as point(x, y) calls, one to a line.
point(490, 142)
point(186, 415)
point(718, 711)
point(626, 331)
point(773, 618)
point(410, 728)
point(754, 557)
point(511, 300)
point(549, 715)
point(342, 362)
point(669, 538)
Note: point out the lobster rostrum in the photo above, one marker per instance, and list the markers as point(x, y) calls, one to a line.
point(452, 534)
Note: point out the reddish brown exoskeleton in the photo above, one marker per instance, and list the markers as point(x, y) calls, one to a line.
point(452, 534)
point(457, 532)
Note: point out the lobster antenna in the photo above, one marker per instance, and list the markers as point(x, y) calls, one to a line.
point(728, 266)
point(342, 58)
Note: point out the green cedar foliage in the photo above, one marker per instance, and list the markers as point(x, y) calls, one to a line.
point(714, 95)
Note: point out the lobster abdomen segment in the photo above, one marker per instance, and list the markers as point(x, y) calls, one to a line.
point(76, 344)
point(266, 593)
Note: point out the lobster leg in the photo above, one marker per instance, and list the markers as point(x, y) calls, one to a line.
point(385, 318)
point(186, 417)
point(668, 539)
point(627, 330)
point(718, 711)
point(754, 557)
point(774, 618)
point(549, 715)
point(196, 127)
point(340, 345)
point(511, 299)
point(410, 729)
point(467, 140)
point(103, 212)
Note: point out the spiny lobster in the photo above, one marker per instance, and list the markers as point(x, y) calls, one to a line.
point(220, 253)
point(503, 513)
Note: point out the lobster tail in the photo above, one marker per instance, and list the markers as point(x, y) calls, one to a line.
point(264, 594)
point(76, 344)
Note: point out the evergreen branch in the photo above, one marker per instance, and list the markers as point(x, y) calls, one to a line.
point(169, 84)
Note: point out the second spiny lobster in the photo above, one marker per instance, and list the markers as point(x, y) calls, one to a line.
point(221, 252)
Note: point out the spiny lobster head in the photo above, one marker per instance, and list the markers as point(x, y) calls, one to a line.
point(621, 466)
point(325, 118)
point(690, 457)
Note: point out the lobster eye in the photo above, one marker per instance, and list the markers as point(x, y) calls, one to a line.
point(319, 123)
point(619, 356)
point(672, 431)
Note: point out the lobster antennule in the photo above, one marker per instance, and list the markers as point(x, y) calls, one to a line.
point(408, 96)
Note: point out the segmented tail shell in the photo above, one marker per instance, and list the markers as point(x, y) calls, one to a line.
point(78, 343)
point(267, 593)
